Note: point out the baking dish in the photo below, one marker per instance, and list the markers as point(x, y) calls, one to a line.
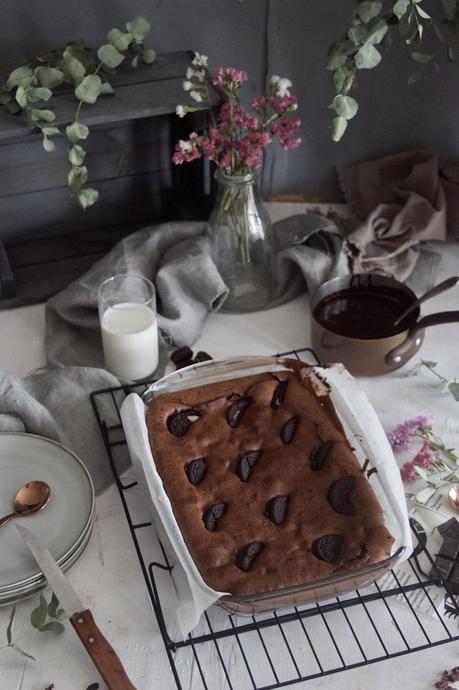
point(364, 432)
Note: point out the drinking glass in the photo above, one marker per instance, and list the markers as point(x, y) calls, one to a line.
point(127, 313)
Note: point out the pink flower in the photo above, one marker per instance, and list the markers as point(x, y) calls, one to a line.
point(187, 151)
point(284, 129)
point(408, 473)
point(425, 457)
point(283, 104)
point(229, 78)
point(401, 437)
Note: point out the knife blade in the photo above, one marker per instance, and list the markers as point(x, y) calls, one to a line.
point(99, 649)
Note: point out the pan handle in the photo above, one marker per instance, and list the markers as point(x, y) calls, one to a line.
point(414, 338)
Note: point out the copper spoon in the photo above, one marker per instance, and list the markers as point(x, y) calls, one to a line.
point(437, 290)
point(31, 498)
point(453, 497)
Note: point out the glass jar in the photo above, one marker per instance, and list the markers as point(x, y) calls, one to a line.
point(241, 242)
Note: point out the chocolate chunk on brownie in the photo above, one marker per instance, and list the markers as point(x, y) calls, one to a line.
point(263, 483)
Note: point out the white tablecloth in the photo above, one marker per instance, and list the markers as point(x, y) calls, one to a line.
point(108, 576)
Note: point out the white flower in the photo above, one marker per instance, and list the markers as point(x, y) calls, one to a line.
point(200, 60)
point(185, 146)
point(196, 96)
point(201, 75)
point(190, 73)
point(187, 85)
point(181, 110)
point(281, 86)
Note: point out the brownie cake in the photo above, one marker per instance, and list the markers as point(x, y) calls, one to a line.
point(263, 484)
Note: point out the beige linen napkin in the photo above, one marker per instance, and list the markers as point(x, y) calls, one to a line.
point(400, 202)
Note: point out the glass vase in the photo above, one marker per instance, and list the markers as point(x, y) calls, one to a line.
point(241, 242)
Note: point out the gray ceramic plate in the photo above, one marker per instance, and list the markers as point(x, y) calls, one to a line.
point(13, 596)
point(64, 522)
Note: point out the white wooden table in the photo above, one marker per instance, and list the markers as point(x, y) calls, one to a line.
point(108, 577)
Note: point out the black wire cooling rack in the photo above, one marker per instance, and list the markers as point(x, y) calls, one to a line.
point(282, 648)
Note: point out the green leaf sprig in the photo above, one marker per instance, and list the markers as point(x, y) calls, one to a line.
point(46, 617)
point(446, 466)
point(450, 386)
point(87, 71)
point(372, 26)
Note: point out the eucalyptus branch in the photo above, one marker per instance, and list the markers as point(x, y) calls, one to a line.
point(372, 27)
point(46, 617)
point(446, 385)
point(86, 70)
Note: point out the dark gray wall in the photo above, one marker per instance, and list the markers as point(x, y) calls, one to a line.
point(286, 37)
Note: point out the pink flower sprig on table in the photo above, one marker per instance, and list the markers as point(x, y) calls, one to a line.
point(237, 139)
point(403, 435)
point(432, 458)
point(424, 458)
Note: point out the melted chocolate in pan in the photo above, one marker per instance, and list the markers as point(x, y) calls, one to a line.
point(365, 311)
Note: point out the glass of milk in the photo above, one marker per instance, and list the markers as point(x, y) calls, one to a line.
point(127, 312)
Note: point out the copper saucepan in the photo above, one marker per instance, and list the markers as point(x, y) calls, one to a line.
point(353, 323)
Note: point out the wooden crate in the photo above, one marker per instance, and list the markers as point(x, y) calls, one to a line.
point(46, 240)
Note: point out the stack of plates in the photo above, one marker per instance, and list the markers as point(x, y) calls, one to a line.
point(64, 525)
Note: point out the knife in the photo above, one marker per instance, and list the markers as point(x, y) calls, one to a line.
point(99, 649)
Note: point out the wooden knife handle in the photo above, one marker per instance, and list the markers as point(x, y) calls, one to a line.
point(101, 652)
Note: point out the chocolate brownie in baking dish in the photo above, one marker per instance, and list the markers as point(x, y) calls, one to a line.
point(263, 483)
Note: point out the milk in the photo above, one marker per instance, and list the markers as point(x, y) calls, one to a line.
point(130, 340)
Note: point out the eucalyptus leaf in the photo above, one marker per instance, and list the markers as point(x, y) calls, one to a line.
point(110, 56)
point(77, 154)
point(428, 363)
point(135, 61)
point(48, 145)
point(149, 56)
point(424, 495)
point(50, 131)
point(76, 131)
point(367, 57)
point(38, 114)
point(89, 89)
point(421, 472)
point(106, 88)
point(39, 614)
point(53, 626)
point(377, 33)
point(53, 606)
point(401, 7)
point(339, 76)
point(454, 390)
point(9, 630)
point(13, 108)
point(21, 96)
point(40, 93)
point(138, 28)
point(358, 34)
point(73, 68)
point(345, 106)
point(20, 651)
point(119, 39)
point(50, 77)
point(338, 127)
point(421, 57)
point(87, 197)
point(368, 9)
point(422, 13)
point(22, 76)
point(336, 57)
point(77, 178)
point(5, 97)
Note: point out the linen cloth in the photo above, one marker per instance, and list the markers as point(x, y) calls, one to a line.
point(55, 402)
point(175, 256)
point(400, 202)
